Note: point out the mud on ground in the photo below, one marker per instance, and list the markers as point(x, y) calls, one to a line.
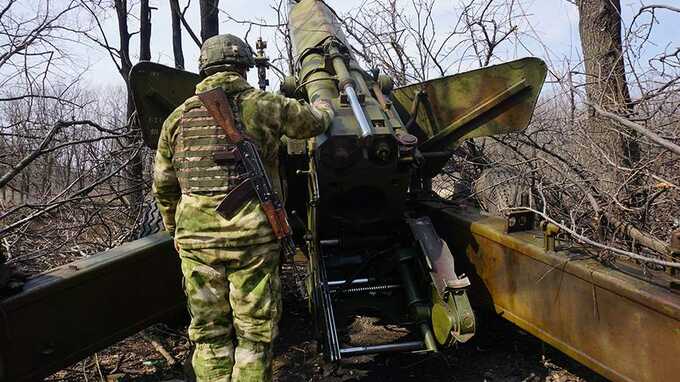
point(499, 352)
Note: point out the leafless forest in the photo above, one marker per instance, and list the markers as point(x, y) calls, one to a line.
point(600, 159)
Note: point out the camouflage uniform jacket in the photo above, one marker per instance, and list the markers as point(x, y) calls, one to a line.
point(191, 217)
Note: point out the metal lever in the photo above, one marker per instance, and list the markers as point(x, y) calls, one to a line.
point(358, 111)
point(400, 346)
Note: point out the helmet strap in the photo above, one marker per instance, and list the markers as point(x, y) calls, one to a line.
point(210, 70)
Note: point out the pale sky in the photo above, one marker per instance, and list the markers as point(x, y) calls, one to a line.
point(554, 21)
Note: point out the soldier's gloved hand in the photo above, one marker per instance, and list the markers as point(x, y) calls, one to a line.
point(323, 106)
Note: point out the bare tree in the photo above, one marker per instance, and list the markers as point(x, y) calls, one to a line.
point(65, 152)
point(135, 169)
point(123, 61)
point(177, 34)
point(600, 30)
point(405, 42)
point(608, 177)
point(144, 31)
point(209, 18)
point(606, 84)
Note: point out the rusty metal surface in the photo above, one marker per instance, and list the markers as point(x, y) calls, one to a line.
point(68, 313)
point(623, 327)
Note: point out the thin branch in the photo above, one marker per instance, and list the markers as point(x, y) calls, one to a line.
point(596, 244)
point(638, 128)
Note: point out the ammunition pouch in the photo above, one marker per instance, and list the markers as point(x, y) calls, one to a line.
point(204, 159)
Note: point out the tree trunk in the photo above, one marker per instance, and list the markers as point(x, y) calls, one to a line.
point(134, 170)
point(124, 51)
point(144, 31)
point(176, 34)
point(600, 29)
point(209, 18)
point(137, 165)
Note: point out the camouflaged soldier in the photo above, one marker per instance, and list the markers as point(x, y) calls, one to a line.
point(231, 266)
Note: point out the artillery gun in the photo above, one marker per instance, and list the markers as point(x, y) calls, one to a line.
point(367, 246)
point(369, 226)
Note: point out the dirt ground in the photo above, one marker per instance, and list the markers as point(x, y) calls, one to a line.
point(499, 352)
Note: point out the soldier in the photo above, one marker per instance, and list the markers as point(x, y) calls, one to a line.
point(231, 266)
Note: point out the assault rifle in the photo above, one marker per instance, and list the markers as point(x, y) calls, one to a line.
point(256, 182)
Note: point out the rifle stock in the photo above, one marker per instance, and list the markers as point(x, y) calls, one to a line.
point(217, 103)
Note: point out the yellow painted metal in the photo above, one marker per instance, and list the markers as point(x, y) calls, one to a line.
point(442, 322)
point(623, 326)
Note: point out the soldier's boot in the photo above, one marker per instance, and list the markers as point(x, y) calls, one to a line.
point(253, 361)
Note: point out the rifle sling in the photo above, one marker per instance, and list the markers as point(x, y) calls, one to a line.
point(217, 104)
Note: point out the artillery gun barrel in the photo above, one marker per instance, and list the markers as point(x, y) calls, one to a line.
point(325, 66)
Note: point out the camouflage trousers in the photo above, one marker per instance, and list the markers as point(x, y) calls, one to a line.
point(234, 298)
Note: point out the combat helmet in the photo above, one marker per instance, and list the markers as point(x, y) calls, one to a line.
point(222, 52)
